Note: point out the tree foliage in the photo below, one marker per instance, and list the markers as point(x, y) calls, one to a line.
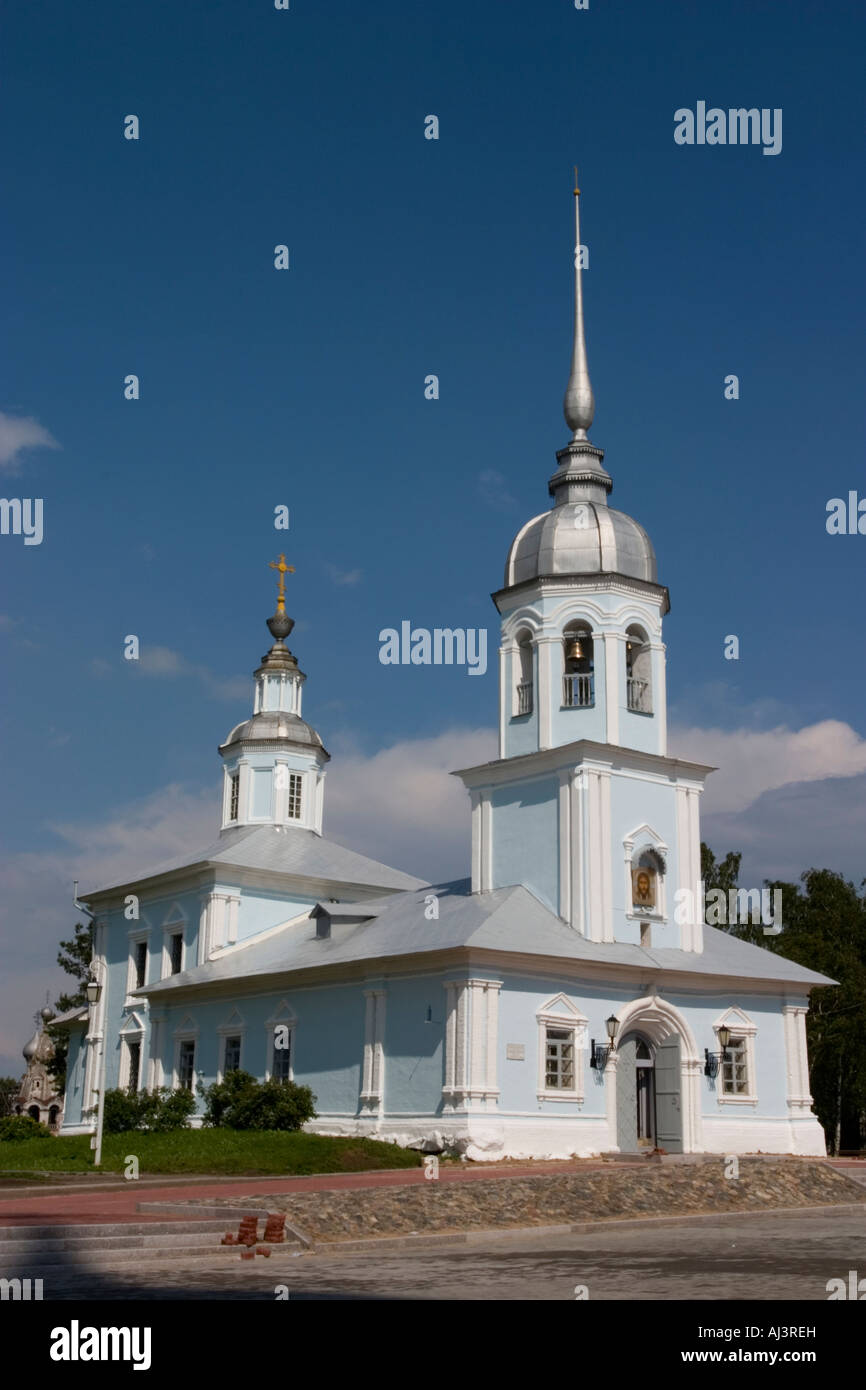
point(242, 1102)
point(823, 929)
point(74, 957)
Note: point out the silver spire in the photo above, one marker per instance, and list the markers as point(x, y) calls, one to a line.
point(579, 403)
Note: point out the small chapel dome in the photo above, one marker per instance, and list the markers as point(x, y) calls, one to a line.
point(269, 725)
point(581, 538)
point(40, 1047)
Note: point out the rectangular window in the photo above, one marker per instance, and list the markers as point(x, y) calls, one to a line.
point(294, 810)
point(176, 952)
point(232, 1056)
point(134, 1049)
point(140, 964)
point(281, 1062)
point(234, 795)
point(735, 1071)
point(186, 1064)
point(559, 1059)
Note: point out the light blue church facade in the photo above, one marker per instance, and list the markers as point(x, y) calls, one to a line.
point(565, 999)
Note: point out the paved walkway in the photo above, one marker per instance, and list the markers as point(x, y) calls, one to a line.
point(73, 1205)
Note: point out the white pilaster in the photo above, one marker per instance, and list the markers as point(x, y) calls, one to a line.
point(614, 676)
point(546, 693)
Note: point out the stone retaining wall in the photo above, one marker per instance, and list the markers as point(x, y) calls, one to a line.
point(595, 1194)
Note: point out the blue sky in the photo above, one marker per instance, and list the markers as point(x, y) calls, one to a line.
point(306, 388)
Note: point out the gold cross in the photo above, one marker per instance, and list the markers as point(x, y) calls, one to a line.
point(284, 569)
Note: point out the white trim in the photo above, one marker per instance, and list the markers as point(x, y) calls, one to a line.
point(283, 1016)
point(560, 1012)
point(373, 1071)
point(640, 840)
point(135, 938)
point(741, 1026)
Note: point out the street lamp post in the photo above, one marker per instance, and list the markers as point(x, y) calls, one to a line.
point(93, 989)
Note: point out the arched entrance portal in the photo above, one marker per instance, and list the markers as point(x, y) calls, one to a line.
point(648, 1094)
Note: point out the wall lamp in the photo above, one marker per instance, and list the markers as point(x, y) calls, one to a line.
point(598, 1055)
point(712, 1059)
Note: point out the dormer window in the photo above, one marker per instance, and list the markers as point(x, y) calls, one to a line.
point(234, 795)
point(578, 681)
point(638, 671)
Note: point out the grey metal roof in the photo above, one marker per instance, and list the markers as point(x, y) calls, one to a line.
point(508, 919)
point(585, 538)
point(286, 850)
point(270, 725)
point(78, 1015)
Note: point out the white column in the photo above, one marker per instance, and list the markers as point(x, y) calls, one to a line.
point(486, 846)
point(475, 804)
point(372, 1086)
point(659, 697)
point(243, 792)
point(565, 845)
point(546, 693)
point(578, 853)
point(505, 699)
point(599, 868)
point(614, 676)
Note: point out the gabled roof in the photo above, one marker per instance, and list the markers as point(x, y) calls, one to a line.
point(284, 850)
point(507, 920)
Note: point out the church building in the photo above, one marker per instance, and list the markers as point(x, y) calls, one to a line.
point(565, 999)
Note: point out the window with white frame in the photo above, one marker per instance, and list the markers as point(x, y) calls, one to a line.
point(175, 952)
point(559, 1059)
point(562, 1040)
point(735, 1068)
point(133, 1065)
point(234, 794)
point(186, 1063)
point(280, 1048)
point(231, 1053)
point(293, 807)
point(281, 1056)
point(736, 1082)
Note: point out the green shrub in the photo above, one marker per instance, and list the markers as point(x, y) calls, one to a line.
point(23, 1127)
point(157, 1111)
point(242, 1102)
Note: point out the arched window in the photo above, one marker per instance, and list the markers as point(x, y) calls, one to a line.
point(578, 681)
point(638, 671)
point(52, 1116)
point(523, 694)
point(33, 1112)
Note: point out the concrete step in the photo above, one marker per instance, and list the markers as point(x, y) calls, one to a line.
point(68, 1230)
point(15, 1248)
point(98, 1262)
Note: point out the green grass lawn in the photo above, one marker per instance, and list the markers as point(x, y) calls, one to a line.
point(217, 1151)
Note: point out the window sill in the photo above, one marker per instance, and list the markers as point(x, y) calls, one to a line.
point(572, 1097)
point(737, 1100)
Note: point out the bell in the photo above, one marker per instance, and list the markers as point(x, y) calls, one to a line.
point(574, 650)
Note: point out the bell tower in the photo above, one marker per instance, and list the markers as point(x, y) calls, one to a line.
point(581, 653)
point(583, 806)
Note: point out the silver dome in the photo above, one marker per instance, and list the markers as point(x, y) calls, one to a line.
point(274, 725)
point(581, 538)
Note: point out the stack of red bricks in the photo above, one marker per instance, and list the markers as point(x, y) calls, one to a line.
point(275, 1228)
point(248, 1235)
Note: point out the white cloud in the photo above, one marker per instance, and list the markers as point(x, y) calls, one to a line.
point(751, 762)
point(344, 577)
point(19, 432)
point(163, 662)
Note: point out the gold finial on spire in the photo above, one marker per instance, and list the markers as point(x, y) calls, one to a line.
point(576, 189)
point(283, 569)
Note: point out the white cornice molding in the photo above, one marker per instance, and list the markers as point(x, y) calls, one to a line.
point(583, 753)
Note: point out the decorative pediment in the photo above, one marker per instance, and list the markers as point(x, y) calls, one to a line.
point(735, 1019)
point(561, 1007)
point(284, 1013)
point(175, 917)
point(186, 1027)
point(234, 1020)
point(133, 1024)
